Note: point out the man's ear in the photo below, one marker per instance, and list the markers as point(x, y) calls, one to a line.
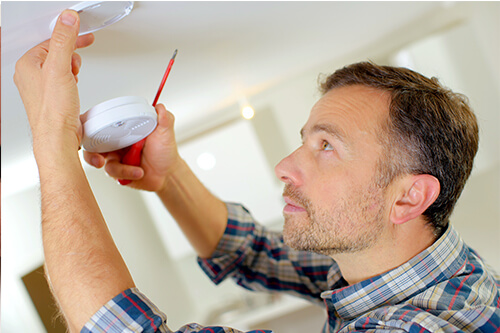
point(418, 193)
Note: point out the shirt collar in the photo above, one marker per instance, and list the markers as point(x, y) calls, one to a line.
point(435, 264)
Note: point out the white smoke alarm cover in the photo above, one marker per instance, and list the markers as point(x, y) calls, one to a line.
point(95, 15)
point(117, 123)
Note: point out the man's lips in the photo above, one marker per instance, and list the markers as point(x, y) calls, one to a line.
point(292, 206)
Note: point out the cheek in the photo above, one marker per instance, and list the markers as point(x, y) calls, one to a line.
point(337, 179)
point(327, 190)
point(339, 186)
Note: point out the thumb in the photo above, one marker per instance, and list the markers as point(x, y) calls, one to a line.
point(165, 119)
point(63, 40)
point(164, 131)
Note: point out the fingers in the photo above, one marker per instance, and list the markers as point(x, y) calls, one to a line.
point(95, 159)
point(76, 63)
point(76, 60)
point(114, 168)
point(84, 41)
point(63, 40)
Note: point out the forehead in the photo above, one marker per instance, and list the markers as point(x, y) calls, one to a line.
point(353, 111)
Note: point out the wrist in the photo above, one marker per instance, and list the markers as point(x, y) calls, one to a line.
point(175, 172)
point(52, 135)
point(50, 149)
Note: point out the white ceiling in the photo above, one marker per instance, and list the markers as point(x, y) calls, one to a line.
point(227, 50)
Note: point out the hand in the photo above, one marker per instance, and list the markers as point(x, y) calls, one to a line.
point(159, 157)
point(46, 77)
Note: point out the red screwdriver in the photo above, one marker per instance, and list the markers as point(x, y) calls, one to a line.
point(133, 155)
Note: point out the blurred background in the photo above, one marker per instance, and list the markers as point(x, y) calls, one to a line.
point(267, 55)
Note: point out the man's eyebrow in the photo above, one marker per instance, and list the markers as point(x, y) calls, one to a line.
point(327, 128)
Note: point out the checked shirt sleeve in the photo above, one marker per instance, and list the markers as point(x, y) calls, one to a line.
point(257, 259)
point(132, 312)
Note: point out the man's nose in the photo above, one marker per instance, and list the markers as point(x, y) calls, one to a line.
point(287, 170)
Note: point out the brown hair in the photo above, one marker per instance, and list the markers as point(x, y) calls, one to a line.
point(430, 130)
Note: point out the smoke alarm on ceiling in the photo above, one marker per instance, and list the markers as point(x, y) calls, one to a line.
point(95, 15)
point(117, 123)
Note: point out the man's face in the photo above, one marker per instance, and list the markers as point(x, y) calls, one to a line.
point(333, 202)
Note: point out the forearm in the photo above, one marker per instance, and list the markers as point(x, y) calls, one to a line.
point(201, 216)
point(83, 264)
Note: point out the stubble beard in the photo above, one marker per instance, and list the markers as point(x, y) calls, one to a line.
point(351, 225)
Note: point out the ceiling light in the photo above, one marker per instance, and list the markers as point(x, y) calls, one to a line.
point(95, 15)
point(206, 161)
point(247, 112)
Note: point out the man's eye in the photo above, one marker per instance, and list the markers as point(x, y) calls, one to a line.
point(326, 146)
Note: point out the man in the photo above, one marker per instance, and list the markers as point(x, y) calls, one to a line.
point(385, 155)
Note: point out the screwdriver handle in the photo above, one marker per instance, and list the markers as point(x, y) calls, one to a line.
point(132, 157)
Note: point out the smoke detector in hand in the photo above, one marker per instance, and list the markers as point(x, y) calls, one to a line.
point(117, 123)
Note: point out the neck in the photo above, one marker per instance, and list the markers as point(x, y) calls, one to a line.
point(397, 245)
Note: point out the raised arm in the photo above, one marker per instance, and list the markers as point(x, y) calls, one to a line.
point(84, 267)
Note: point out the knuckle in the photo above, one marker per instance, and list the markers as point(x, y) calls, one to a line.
point(19, 64)
point(30, 62)
point(20, 72)
point(19, 68)
point(16, 78)
point(87, 156)
point(110, 169)
point(170, 117)
point(59, 39)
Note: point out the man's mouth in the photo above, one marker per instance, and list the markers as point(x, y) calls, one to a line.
point(292, 206)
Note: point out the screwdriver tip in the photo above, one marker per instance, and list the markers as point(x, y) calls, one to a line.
point(175, 54)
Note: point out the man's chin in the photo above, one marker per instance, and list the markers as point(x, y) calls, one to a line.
point(297, 240)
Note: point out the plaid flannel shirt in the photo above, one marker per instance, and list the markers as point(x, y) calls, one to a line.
point(445, 288)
